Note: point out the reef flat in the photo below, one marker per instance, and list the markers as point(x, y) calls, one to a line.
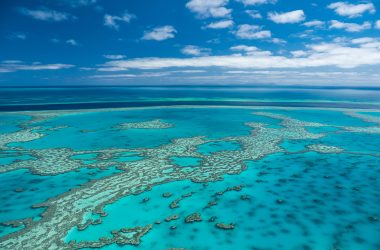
point(154, 124)
point(255, 135)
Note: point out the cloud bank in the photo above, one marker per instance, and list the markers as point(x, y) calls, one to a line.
point(317, 55)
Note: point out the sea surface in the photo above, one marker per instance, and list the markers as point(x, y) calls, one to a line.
point(190, 168)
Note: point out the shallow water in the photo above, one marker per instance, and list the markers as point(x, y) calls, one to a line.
point(315, 213)
point(22, 189)
point(290, 197)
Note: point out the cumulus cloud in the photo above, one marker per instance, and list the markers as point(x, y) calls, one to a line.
point(316, 55)
point(314, 23)
point(278, 41)
point(45, 14)
point(160, 33)
point(367, 42)
point(16, 65)
point(363, 40)
point(209, 8)
point(192, 50)
point(246, 31)
point(250, 50)
point(295, 16)
point(298, 53)
point(254, 14)
point(256, 2)
point(377, 25)
point(352, 10)
point(244, 48)
point(114, 57)
point(220, 24)
point(349, 27)
point(112, 21)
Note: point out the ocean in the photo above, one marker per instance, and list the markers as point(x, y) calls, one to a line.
point(148, 167)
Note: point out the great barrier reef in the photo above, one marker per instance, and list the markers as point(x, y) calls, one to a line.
point(189, 176)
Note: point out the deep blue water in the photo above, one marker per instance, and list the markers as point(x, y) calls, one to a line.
point(101, 97)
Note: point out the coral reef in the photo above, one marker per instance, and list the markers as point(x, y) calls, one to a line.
point(195, 217)
point(154, 124)
point(325, 149)
point(154, 168)
point(224, 226)
point(124, 236)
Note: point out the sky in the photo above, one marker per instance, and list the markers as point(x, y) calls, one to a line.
point(192, 42)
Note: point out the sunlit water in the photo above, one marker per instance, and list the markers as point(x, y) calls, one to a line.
point(292, 199)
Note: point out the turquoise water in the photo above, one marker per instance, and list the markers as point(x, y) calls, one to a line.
point(214, 123)
point(10, 123)
point(289, 198)
point(85, 158)
point(327, 201)
point(212, 147)
point(20, 190)
point(328, 117)
point(186, 161)
point(10, 156)
point(128, 156)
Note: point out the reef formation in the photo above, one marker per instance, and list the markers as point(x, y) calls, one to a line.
point(155, 167)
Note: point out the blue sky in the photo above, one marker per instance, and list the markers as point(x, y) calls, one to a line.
point(116, 42)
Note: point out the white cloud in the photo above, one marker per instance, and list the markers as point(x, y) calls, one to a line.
point(299, 53)
point(278, 41)
point(247, 31)
point(367, 42)
point(160, 33)
point(114, 57)
point(72, 42)
point(256, 2)
point(352, 10)
point(249, 76)
point(220, 24)
point(341, 40)
point(314, 23)
point(112, 21)
point(192, 50)
point(250, 50)
point(349, 27)
point(142, 75)
point(363, 40)
point(254, 14)
point(209, 8)
point(16, 65)
point(295, 16)
point(318, 55)
point(189, 71)
point(87, 68)
point(45, 14)
point(377, 25)
point(244, 48)
point(214, 41)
